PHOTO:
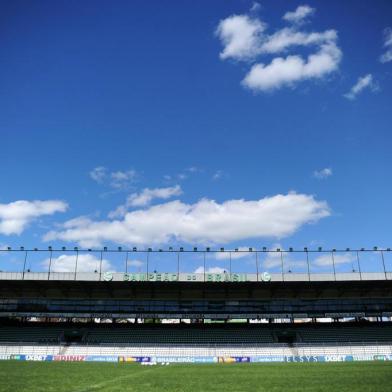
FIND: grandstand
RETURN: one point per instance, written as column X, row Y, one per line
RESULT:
column 186, row 316
column 175, row 341
column 199, row 334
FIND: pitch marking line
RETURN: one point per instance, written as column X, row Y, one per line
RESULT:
column 111, row 381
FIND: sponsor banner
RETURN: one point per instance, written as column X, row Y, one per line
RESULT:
column 101, row 358
column 367, row 357
column 305, row 358
column 69, row 358
column 310, row 358
column 233, row 359
column 205, row 359
column 7, row 357
column 66, row 358
column 35, row 357
column 190, row 359
column 268, row 359
column 372, row 357
column 133, row 359
column 319, row 358
column 339, row 358
column 185, row 359
column 381, row 357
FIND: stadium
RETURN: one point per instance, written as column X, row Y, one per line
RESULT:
column 192, row 193
column 191, row 317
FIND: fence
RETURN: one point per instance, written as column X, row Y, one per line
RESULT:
column 366, row 350
column 196, row 264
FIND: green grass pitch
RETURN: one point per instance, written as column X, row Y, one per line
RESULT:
column 84, row 377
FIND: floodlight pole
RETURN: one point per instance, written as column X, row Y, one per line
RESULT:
column 359, row 267
column 126, row 263
column 383, row 264
column 76, row 263
column 178, row 265
column 333, row 264
column 257, row 268
column 281, row 259
column 24, row 265
column 204, row 266
column 230, row 263
column 147, row 263
column 50, row 263
column 307, row 261
column 100, row 266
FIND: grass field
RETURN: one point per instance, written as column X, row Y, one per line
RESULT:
column 84, row 377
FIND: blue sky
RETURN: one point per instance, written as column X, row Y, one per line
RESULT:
column 222, row 123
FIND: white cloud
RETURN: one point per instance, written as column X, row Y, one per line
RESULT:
column 387, row 56
column 210, row 270
column 277, row 42
column 135, row 263
column 98, row 174
column 122, row 179
column 363, row 83
column 292, row 69
column 240, row 36
column 287, row 37
column 217, row 175
column 194, row 169
column 243, row 251
column 118, row 180
column 144, row 198
column 323, row 173
column 299, row 15
column 255, row 7
column 245, row 38
column 3, row 247
column 274, row 259
column 147, row 195
column 16, row 216
column 326, row 260
column 205, row 222
column 86, row 263
column 183, row 175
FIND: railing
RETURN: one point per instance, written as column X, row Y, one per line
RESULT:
column 196, row 345
column 195, row 264
column 365, row 348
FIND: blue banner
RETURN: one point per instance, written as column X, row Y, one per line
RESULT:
column 35, row 357
column 184, row 359
column 205, row 359
column 133, row 359
column 101, row 358
column 268, row 359
column 200, row 359
column 302, row 358
column 233, row 359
